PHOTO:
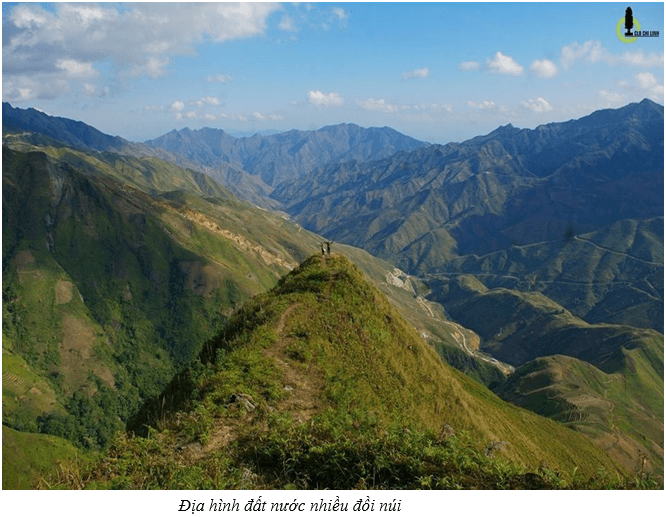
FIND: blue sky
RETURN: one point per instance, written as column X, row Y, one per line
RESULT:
column 439, row 72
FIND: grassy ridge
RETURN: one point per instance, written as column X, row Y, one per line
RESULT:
column 321, row 384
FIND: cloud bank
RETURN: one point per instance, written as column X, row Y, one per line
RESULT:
column 44, row 50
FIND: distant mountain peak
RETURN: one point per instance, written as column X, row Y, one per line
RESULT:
column 501, row 130
column 648, row 102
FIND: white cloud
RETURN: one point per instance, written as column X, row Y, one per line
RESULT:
column 219, row 78
column 467, row 66
column 25, row 18
column 75, row 70
column 639, row 59
column 544, row 68
column 485, row 105
column 377, row 105
column 239, row 117
column 538, row 105
column 210, row 101
column 340, row 13
column 177, row 106
column 423, row 111
column 419, row 73
column 644, row 84
column 433, row 107
column 594, row 52
column 590, row 52
column 272, row 116
column 325, row 100
column 649, row 84
column 91, row 90
column 153, row 67
column 20, row 89
column 136, row 39
column 612, row 99
column 646, row 80
column 336, row 14
column 501, row 64
column 287, row 24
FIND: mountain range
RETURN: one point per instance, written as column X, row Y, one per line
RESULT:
column 532, row 260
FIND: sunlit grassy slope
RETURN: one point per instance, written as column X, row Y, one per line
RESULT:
column 321, row 383
column 35, row 457
column 622, row 411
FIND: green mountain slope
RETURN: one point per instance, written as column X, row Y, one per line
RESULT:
column 603, row 380
column 459, row 346
column 517, row 327
column 612, row 275
column 108, row 291
column 118, row 267
column 621, row 411
column 36, row 456
column 321, row 384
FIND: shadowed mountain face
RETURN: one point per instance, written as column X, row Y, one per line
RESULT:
column 612, row 275
column 108, row 290
column 73, row 133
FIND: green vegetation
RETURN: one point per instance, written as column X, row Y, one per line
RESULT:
column 28, row 458
column 25, row 395
column 108, row 292
column 621, row 411
column 611, row 275
column 321, row 384
column 603, row 380
column 408, row 294
column 322, row 455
